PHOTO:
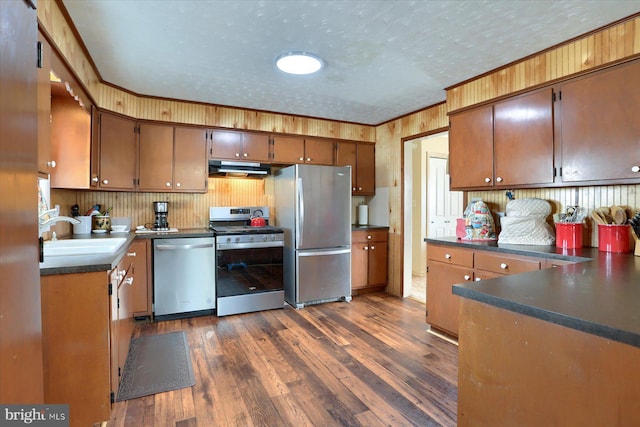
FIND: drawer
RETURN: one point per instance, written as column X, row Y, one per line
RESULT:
column 364, row 236
column 450, row 255
column 505, row 264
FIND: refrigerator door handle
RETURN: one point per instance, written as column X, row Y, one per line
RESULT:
column 300, row 222
column 317, row 253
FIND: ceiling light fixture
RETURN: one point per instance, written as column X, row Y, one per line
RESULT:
column 299, row 63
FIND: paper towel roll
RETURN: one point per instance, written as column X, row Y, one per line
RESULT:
column 363, row 214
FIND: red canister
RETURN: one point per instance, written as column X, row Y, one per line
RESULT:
column 614, row 238
column 569, row 235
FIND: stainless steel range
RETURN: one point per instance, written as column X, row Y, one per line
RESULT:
column 248, row 264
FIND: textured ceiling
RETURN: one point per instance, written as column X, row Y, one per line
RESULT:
column 383, row 59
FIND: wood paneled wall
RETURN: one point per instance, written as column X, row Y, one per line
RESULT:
column 609, row 45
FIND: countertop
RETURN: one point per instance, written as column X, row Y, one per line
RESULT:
column 106, row 262
column 599, row 295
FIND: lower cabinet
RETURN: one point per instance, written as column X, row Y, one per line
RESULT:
column 87, row 324
column 448, row 265
column 140, row 255
column 369, row 260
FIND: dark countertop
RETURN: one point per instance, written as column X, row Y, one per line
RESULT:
column 599, row 295
column 106, row 262
column 357, row 227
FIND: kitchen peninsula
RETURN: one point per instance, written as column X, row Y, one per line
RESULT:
column 558, row 346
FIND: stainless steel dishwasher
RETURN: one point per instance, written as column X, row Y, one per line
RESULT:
column 184, row 276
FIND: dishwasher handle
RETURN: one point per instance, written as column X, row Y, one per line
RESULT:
column 179, row 247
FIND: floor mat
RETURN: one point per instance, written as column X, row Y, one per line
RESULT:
column 156, row 363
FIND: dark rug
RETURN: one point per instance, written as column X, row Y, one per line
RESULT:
column 156, row 363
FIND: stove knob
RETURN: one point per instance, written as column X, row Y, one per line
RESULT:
column 228, row 239
column 265, row 238
column 238, row 239
column 251, row 238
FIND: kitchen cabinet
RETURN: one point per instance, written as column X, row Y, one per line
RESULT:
column 87, row 324
column 118, row 153
column 155, row 157
column 369, row 260
column 361, row 158
column 598, row 126
column 140, row 255
column 448, row 265
column 70, row 141
column 288, row 150
column 190, row 167
column 506, row 144
column 45, row 162
column 236, row 145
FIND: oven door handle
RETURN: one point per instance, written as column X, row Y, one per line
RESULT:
column 317, row 253
column 250, row 245
column 178, row 247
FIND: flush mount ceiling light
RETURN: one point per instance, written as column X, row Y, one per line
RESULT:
column 298, row 63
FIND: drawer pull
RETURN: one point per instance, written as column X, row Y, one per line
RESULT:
column 447, row 256
column 478, row 279
column 467, row 277
column 504, row 266
column 131, row 254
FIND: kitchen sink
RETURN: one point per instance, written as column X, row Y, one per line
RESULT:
column 82, row 246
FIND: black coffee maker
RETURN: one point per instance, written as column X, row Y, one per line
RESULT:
column 162, row 210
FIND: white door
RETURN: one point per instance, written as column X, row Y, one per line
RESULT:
column 443, row 206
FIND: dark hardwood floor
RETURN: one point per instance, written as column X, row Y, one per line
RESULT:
column 369, row 363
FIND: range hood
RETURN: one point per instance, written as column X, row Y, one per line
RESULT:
column 230, row 168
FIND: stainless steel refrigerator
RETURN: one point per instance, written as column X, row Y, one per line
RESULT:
column 313, row 206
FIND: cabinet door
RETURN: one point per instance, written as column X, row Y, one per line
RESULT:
column 377, row 263
column 70, row 142
column 255, row 147
column 190, row 168
column 155, row 157
column 523, row 139
column 118, row 154
column 471, row 148
column 366, row 169
column 346, row 155
column 442, row 305
column 318, row 152
column 599, row 126
column 359, row 265
column 288, row 150
column 44, row 109
column 140, row 294
column 226, row 144
column 125, row 317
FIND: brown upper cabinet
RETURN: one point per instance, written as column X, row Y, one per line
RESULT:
column 506, row 144
column 361, row 158
column 235, row 145
column 298, row 150
column 598, row 126
column 190, row 168
column 118, row 153
column 155, row 158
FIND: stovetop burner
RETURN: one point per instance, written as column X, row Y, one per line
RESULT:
column 235, row 220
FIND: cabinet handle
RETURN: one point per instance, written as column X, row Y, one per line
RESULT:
column 467, row 277
column 368, row 237
column 635, row 169
column 366, row 248
column 478, row 279
column 51, row 164
column 308, row 159
column 499, row 179
column 353, row 189
column 105, row 181
column 237, row 154
column 504, row 266
column 373, row 247
column 447, row 256
column 129, row 281
column 245, row 155
column 95, row 179
column 131, row 254
column 487, row 180
column 178, row 184
column 168, row 184
column 302, row 159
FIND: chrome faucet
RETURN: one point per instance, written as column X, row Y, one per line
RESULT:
column 44, row 223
